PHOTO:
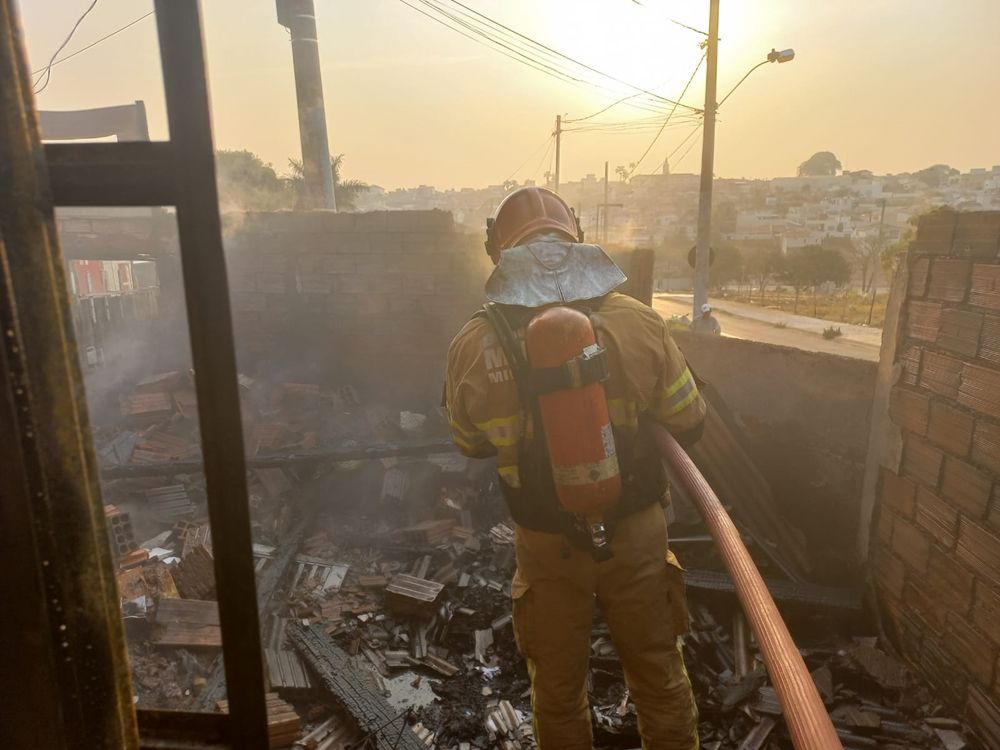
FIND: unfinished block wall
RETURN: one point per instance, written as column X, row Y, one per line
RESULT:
column 936, row 542
column 371, row 299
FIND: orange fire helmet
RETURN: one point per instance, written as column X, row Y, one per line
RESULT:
column 525, row 212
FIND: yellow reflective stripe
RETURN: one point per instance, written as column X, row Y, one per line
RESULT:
column 463, row 443
column 457, row 428
column 510, row 475
column 624, row 413
column 671, row 389
column 679, row 406
column 501, row 431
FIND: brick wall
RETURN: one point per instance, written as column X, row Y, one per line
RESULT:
column 936, row 539
column 371, row 299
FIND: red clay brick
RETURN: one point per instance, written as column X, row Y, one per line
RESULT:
column 986, row 610
column 922, row 461
column 911, row 544
column 986, row 445
column 941, row 373
column 960, row 331
column 936, row 517
column 916, row 285
column 950, row 428
column 898, row 493
column 950, row 581
column 966, row 487
column 890, row 573
column 971, row 649
column 949, row 279
column 909, row 361
column 910, row 409
column 918, row 598
column 980, row 389
column 985, row 715
column 989, row 340
column 993, row 515
column 923, row 320
column 985, row 287
column 883, row 529
column 977, row 234
column 977, row 547
column 938, row 226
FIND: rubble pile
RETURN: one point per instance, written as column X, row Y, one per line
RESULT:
column 384, row 589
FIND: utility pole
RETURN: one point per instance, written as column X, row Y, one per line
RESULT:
column 707, row 163
column 558, row 135
column 876, row 262
column 605, row 237
column 299, row 17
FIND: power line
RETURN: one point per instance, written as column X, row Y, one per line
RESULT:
column 48, row 68
column 547, row 141
column 688, row 149
column 94, row 43
column 632, row 86
column 660, row 132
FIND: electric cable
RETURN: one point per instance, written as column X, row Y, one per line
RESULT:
column 47, row 74
column 531, row 156
column 94, row 43
column 660, row 132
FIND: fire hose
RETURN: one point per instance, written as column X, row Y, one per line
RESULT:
column 807, row 719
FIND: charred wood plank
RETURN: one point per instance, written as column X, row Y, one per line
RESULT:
column 386, row 728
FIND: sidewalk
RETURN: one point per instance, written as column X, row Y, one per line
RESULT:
column 861, row 334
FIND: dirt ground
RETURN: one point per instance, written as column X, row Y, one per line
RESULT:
column 842, row 307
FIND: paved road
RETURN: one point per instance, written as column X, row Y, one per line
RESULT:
column 858, row 342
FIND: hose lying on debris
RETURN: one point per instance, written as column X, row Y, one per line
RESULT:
column 808, row 722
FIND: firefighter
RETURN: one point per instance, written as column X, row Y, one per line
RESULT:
column 617, row 557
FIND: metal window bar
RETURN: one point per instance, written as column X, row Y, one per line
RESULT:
column 179, row 172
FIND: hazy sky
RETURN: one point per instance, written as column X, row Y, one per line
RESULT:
column 888, row 85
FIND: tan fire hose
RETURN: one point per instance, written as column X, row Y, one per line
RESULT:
column 807, row 719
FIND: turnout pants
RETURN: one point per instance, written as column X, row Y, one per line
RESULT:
column 641, row 594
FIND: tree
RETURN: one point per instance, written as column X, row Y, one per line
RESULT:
column 345, row 192
column 622, row 172
column 728, row 266
column 866, row 253
column 761, row 267
column 935, row 175
column 813, row 266
column 247, row 183
column 820, row 164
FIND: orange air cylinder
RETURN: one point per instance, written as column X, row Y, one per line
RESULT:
column 577, row 425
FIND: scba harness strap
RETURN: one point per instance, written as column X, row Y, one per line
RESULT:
column 535, row 504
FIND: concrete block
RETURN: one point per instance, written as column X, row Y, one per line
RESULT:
column 966, row 487
column 315, row 283
column 344, row 243
column 977, row 235
column 911, row 544
column 340, row 263
column 271, row 283
column 936, row 517
column 941, row 373
column 986, row 446
column 910, row 409
column 985, row 286
column 917, row 283
column 950, row 428
column 949, row 280
column 925, row 248
column 335, row 222
column 898, row 493
column 980, row 389
column 973, row 650
column 383, row 243
column 922, row 461
column 960, row 331
column 979, row 548
column 923, row 320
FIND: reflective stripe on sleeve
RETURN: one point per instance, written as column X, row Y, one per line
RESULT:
column 503, row 431
column 678, row 396
column 510, row 475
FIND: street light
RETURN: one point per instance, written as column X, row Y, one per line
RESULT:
column 700, row 295
column 778, row 56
